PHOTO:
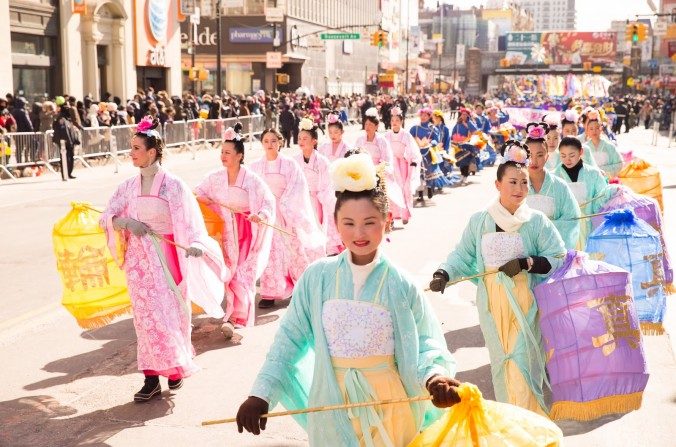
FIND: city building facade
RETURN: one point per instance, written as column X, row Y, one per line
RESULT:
column 551, row 14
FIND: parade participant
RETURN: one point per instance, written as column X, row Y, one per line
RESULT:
column 521, row 246
column 357, row 330
column 602, row 151
column 379, row 148
column 587, row 183
column 148, row 216
column 549, row 194
column 336, row 147
column 407, row 161
column 495, row 120
column 444, row 142
column 480, row 122
column 316, row 171
column 243, row 200
column 463, row 128
column 552, row 139
column 289, row 255
column 569, row 129
column 427, row 137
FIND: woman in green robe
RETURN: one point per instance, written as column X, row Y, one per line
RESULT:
column 357, row 330
column 604, row 153
column 548, row 193
column 519, row 246
column 588, row 184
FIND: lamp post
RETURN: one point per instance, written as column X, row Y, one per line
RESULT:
column 218, row 47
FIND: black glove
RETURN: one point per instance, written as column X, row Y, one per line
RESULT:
column 439, row 281
column 414, row 164
column 511, row 268
column 249, row 415
column 444, row 391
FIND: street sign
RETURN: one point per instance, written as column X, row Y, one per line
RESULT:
column 274, row 15
column 273, row 59
column 660, row 29
column 340, row 36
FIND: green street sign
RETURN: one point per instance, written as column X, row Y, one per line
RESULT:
column 340, row 36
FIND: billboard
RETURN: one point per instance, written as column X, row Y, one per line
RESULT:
column 561, row 48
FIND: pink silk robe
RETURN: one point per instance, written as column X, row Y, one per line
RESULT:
column 322, row 196
column 246, row 245
column 161, row 312
column 289, row 255
column 326, row 149
column 381, row 152
column 405, row 151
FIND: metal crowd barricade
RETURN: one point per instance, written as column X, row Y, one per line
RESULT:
column 22, row 149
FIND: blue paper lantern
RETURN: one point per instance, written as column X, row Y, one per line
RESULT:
column 628, row 242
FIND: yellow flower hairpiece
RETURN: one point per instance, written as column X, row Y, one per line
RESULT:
column 354, row 173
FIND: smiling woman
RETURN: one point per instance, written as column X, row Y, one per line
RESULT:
column 373, row 335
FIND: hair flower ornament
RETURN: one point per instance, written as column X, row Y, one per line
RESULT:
column 570, row 115
column 354, row 173
column 332, row 118
column 396, row 111
column 373, row 112
column 306, row 124
column 231, row 135
column 517, row 153
column 145, row 127
column 593, row 115
column 536, row 131
column 427, row 110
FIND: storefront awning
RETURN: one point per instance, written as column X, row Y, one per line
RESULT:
column 297, row 58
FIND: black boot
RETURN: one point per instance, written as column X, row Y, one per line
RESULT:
column 151, row 388
column 175, row 384
column 266, row 304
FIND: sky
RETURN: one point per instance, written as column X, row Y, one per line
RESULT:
column 592, row 15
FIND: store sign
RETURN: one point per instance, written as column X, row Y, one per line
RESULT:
column 273, row 59
column 260, row 34
column 79, row 7
column 561, row 48
column 154, row 25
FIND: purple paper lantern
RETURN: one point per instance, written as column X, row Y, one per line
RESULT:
column 592, row 339
column 646, row 209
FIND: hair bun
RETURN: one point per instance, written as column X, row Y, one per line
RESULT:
column 238, row 127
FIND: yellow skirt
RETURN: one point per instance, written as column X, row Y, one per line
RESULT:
column 369, row 379
column 518, row 391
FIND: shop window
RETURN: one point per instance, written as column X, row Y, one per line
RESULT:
column 31, row 44
column 31, row 82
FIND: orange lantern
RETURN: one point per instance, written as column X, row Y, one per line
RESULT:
column 643, row 178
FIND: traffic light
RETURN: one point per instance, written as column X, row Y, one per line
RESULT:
column 631, row 32
column 383, row 39
column 283, row 78
column 375, row 39
column 642, row 32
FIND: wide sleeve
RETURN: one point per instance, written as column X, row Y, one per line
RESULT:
column 566, row 220
column 412, row 153
column 281, row 378
column 386, row 154
column 445, row 138
column 547, row 242
column 462, row 261
column 117, row 207
column 601, row 190
column 614, row 165
column 433, row 355
column 203, row 189
column 261, row 199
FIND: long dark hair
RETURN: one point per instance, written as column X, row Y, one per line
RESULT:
column 238, row 142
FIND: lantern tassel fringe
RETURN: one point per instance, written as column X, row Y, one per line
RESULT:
column 103, row 320
column 670, row 289
column 651, row 328
column 587, row 411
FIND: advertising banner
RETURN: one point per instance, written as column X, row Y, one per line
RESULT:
column 156, row 21
column 561, row 48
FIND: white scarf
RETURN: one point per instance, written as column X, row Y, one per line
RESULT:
column 509, row 222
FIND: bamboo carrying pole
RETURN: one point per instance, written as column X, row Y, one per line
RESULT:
column 150, row 232
column 262, row 222
column 478, row 275
column 588, row 216
column 325, row 408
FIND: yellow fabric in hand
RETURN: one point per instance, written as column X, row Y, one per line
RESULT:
column 476, row 422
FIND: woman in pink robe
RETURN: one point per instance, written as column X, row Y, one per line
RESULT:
column 381, row 152
column 243, row 200
column 336, row 147
column 407, row 160
column 289, row 255
column 149, row 214
column 322, row 195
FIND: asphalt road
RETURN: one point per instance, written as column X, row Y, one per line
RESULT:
column 63, row 386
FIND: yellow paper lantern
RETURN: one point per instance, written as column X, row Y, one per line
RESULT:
column 94, row 287
column 643, row 178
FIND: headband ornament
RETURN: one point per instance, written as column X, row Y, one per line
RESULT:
column 231, row 135
column 145, row 127
column 537, row 131
column 354, row 173
column 306, row 124
column 396, row 111
column 372, row 112
column 332, row 118
column 517, row 153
